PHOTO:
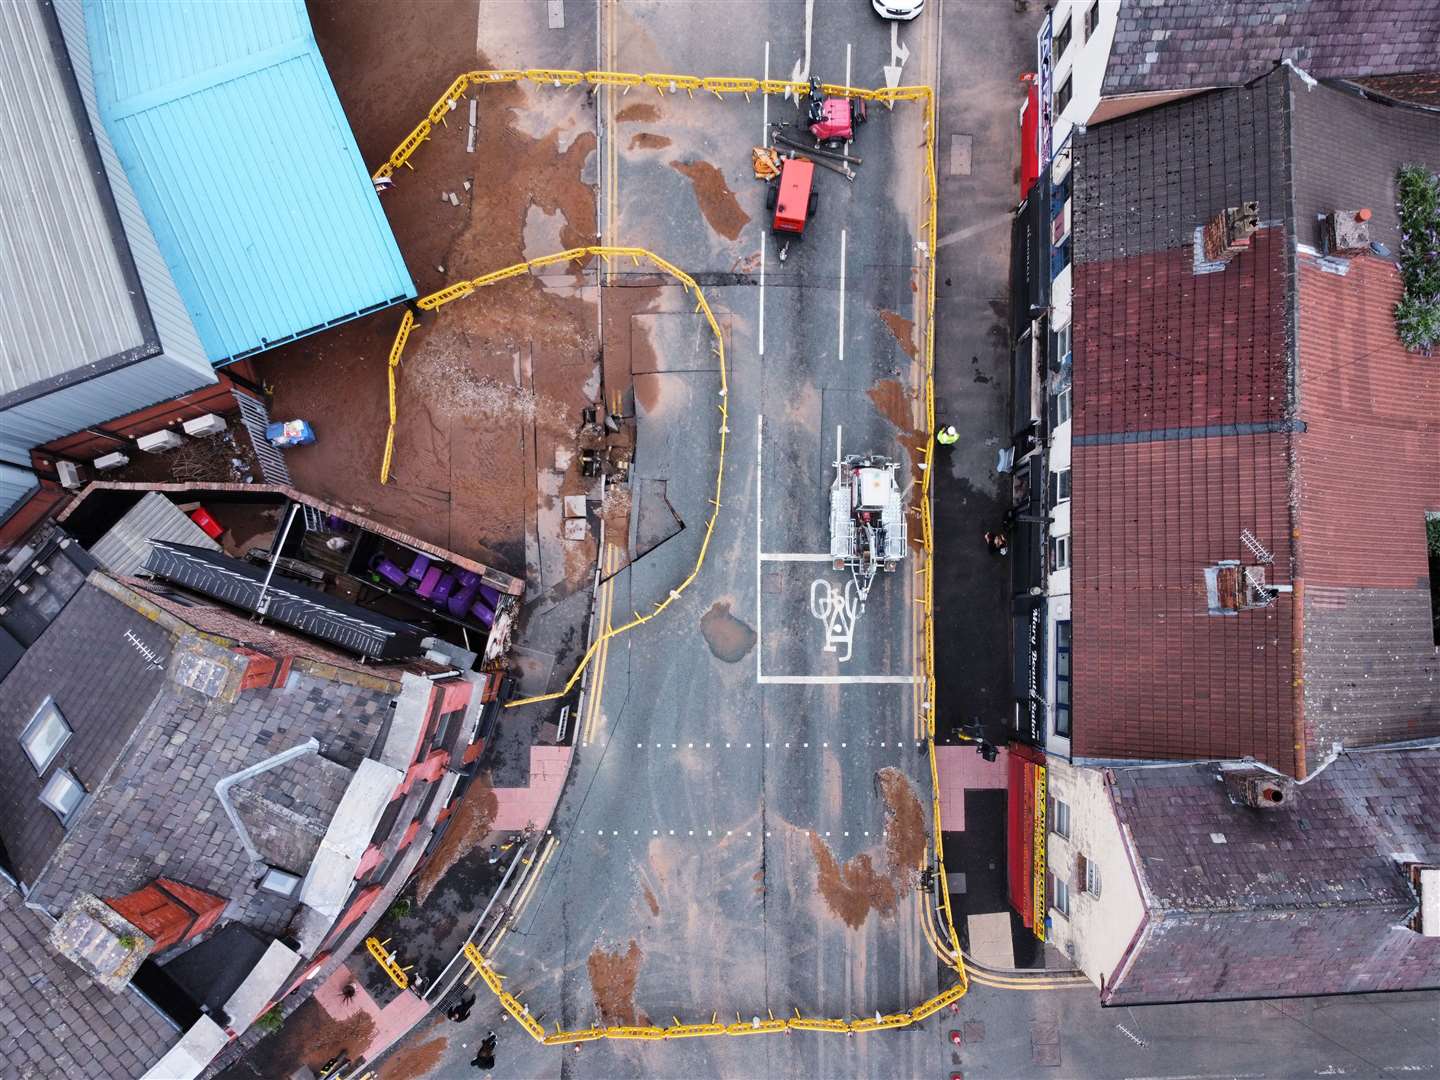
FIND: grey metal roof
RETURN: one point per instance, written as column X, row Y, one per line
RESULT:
column 240, row 585
column 69, row 294
column 122, row 550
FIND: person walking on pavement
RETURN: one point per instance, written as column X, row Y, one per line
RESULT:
column 947, row 436
column 485, row 1056
column 997, row 543
column 460, row 1011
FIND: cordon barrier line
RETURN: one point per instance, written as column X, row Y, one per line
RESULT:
column 769, row 1024
column 947, row 945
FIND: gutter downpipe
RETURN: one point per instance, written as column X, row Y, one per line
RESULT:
column 223, row 786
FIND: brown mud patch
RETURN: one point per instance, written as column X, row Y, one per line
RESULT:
column 647, row 140
column 904, row 331
column 893, row 401
column 413, row 1060
column 639, row 111
column 612, row 977
column 906, row 838
column 650, row 900
column 717, row 201
column 466, row 486
column 615, row 512
column 470, row 827
column 729, row 638
column 854, row 889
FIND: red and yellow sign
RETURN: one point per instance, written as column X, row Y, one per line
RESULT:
column 1026, row 830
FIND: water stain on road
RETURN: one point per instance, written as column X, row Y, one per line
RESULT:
column 717, row 201
column 612, row 977
column 729, row 638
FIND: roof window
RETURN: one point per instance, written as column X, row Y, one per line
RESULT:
column 44, row 735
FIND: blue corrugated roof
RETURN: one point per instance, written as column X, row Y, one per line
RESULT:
column 230, row 130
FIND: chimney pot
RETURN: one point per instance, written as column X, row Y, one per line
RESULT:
column 1258, row 789
column 1363, row 214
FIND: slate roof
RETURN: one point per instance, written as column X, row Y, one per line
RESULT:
column 1307, row 899
column 103, row 664
column 1198, row 418
column 159, row 813
column 54, row 1021
column 1191, row 44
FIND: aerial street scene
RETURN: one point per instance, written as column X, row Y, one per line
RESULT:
column 719, row 538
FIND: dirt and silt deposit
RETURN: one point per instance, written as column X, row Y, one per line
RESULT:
column 492, row 385
column 853, row 889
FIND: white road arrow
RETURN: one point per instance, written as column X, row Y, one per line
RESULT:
column 899, row 53
column 801, row 71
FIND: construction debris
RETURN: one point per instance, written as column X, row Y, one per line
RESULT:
column 766, row 160
column 470, row 134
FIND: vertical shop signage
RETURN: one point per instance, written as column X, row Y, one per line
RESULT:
column 1046, row 119
column 1038, row 853
column 1037, row 660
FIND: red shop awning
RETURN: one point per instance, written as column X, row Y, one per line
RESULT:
column 1025, row 843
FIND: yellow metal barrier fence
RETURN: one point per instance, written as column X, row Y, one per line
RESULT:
column 947, row 950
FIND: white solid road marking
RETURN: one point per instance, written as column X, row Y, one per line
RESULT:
column 838, row 680
column 759, row 518
column 842, row 296
column 764, row 141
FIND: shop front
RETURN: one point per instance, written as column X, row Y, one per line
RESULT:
column 1025, row 842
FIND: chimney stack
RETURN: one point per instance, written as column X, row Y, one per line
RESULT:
column 1229, row 231
column 1258, row 789
column 1347, row 232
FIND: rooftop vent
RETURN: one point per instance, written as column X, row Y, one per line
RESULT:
column 1258, row 789
column 1229, row 231
column 1346, row 232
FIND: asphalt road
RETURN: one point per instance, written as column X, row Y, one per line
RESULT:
column 705, row 802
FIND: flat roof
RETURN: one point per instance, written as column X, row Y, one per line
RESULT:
column 70, row 299
column 239, row 152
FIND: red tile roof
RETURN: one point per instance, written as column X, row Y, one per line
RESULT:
column 1267, row 396
column 1180, row 360
column 1368, row 469
column 1156, row 675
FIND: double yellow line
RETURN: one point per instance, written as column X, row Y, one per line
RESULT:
column 610, row 560
column 513, row 916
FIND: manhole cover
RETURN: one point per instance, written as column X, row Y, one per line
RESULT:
column 960, row 146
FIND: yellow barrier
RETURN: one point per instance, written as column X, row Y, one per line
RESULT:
column 949, row 951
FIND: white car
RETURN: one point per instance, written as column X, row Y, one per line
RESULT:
column 904, row 10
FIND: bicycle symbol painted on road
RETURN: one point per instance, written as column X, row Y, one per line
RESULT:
column 837, row 609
